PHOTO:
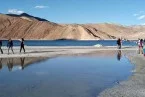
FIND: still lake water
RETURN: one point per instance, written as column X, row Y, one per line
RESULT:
column 64, row 76
column 71, row 43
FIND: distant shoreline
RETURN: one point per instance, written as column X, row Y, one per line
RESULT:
column 69, row 39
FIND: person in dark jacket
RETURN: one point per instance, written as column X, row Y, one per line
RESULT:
column 22, row 45
column 10, row 45
column 119, row 43
column 1, row 47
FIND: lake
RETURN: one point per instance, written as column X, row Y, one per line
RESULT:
column 71, row 43
column 63, row 76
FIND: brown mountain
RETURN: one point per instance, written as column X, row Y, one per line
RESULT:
column 30, row 27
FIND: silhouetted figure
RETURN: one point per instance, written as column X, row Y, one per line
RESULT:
column 119, row 43
column 10, row 45
column 22, row 45
column 1, row 47
column 119, row 55
column 141, row 44
column 10, row 64
column 22, row 62
column 1, row 63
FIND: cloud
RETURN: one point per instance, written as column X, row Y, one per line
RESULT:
column 139, row 13
column 15, row 11
column 141, row 17
column 143, row 24
column 40, row 7
column 135, row 15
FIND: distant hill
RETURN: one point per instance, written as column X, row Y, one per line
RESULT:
column 28, row 16
column 31, row 27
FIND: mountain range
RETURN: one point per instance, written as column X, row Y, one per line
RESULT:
column 31, row 27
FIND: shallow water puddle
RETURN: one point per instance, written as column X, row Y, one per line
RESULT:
column 70, row 76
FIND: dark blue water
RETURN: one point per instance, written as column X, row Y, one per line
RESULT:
column 71, row 76
column 71, row 43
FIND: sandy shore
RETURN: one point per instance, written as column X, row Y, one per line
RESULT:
column 133, row 87
column 46, row 51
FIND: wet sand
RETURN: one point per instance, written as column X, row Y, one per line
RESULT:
column 51, row 51
column 135, row 85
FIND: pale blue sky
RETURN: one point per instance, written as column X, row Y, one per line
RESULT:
column 125, row 12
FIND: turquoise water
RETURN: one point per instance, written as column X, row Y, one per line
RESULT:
column 71, row 43
column 64, row 76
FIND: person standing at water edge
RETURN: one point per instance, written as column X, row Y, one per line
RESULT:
column 10, row 45
column 1, row 46
column 119, row 43
column 22, row 45
column 141, row 46
column 138, row 43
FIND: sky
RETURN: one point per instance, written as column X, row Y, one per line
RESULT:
column 124, row 12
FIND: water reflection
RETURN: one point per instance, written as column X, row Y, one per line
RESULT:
column 119, row 55
column 64, row 76
column 10, row 64
column 1, row 63
column 18, row 62
column 22, row 62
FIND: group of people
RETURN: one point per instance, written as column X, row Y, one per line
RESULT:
column 10, row 46
column 140, row 44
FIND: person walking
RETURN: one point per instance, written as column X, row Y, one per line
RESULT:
column 1, row 47
column 10, row 45
column 22, row 45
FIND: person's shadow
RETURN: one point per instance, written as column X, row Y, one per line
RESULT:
column 119, row 55
column 22, row 62
column 10, row 63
